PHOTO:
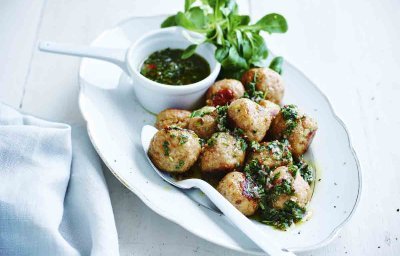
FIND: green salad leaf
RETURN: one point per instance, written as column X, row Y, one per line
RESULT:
column 239, row 45
column 276, row 64
column 189, row 51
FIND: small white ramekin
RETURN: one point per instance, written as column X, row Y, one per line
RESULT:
column 154, row 96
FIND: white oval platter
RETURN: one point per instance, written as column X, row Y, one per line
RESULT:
column 115, row 119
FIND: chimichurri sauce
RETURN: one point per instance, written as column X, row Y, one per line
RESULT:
column 167, row 67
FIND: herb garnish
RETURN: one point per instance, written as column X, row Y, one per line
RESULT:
column 280, row 150
column 267, row 189
column 202, row 112
column 239, row 44
column 202, row 141
column 284, row 188
column 183, row 139
column 257, row 175
column 283, row 218
column 166, row 148
column 211, row 141
column 180, row 164
column 222, row 118
column 256, row 147
column 306, row 170
column 242, row 143
column 290, row 115
column 251, row 91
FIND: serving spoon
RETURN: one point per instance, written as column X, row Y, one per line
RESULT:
column 266, row 242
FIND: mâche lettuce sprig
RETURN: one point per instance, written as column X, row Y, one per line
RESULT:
column 239, row 45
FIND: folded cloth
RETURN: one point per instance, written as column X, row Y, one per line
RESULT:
column 53, row 196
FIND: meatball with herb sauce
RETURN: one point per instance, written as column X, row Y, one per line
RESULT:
column 233, row 188
column 250, row 117
column 222, row 153
column 172, row 117
column 287, row 184
column 296, row 127
column 266, row 80
column 173, row 149
column 203, row 122
column 271, row 154
column 272, row 108
column 224, row 92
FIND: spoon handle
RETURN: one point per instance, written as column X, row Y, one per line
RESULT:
column 115, row 56
column 264, row 241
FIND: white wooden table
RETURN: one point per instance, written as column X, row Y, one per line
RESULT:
column 349, row 48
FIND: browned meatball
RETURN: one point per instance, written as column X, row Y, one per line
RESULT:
column 249, row 116
column 272, row 108
column 224, row 92
column 300, row 190
column 174, row 149
column 295, row 126
column 172, row 117
column 203, row 122
column 232, row 187
column 223, row 153
column 267, row 81
column 272, row 154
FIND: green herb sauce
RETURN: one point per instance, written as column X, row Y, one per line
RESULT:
column 290, row 115
column 259, row 186
column 168, row 67
column 251, row 91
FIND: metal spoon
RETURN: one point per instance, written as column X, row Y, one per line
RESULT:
column 266, row 242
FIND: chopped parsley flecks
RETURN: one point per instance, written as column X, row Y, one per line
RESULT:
column 256, row 147
column 283, row 218
column 280, row 150
column 166, row 148
column 251, row 91
column 283, row 188
column 289, row 112
column 180, row 164
column 183, row 139
column 242, row 143
column 306, row 170
column 222, row 119
column 290, row 115
column 202, row 142
column 293, row 169
column 238, row 132
column 211, row 141
column 267, row 189
column 202, row 112
column 257, row 176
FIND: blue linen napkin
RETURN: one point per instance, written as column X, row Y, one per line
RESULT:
column 53, row 196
